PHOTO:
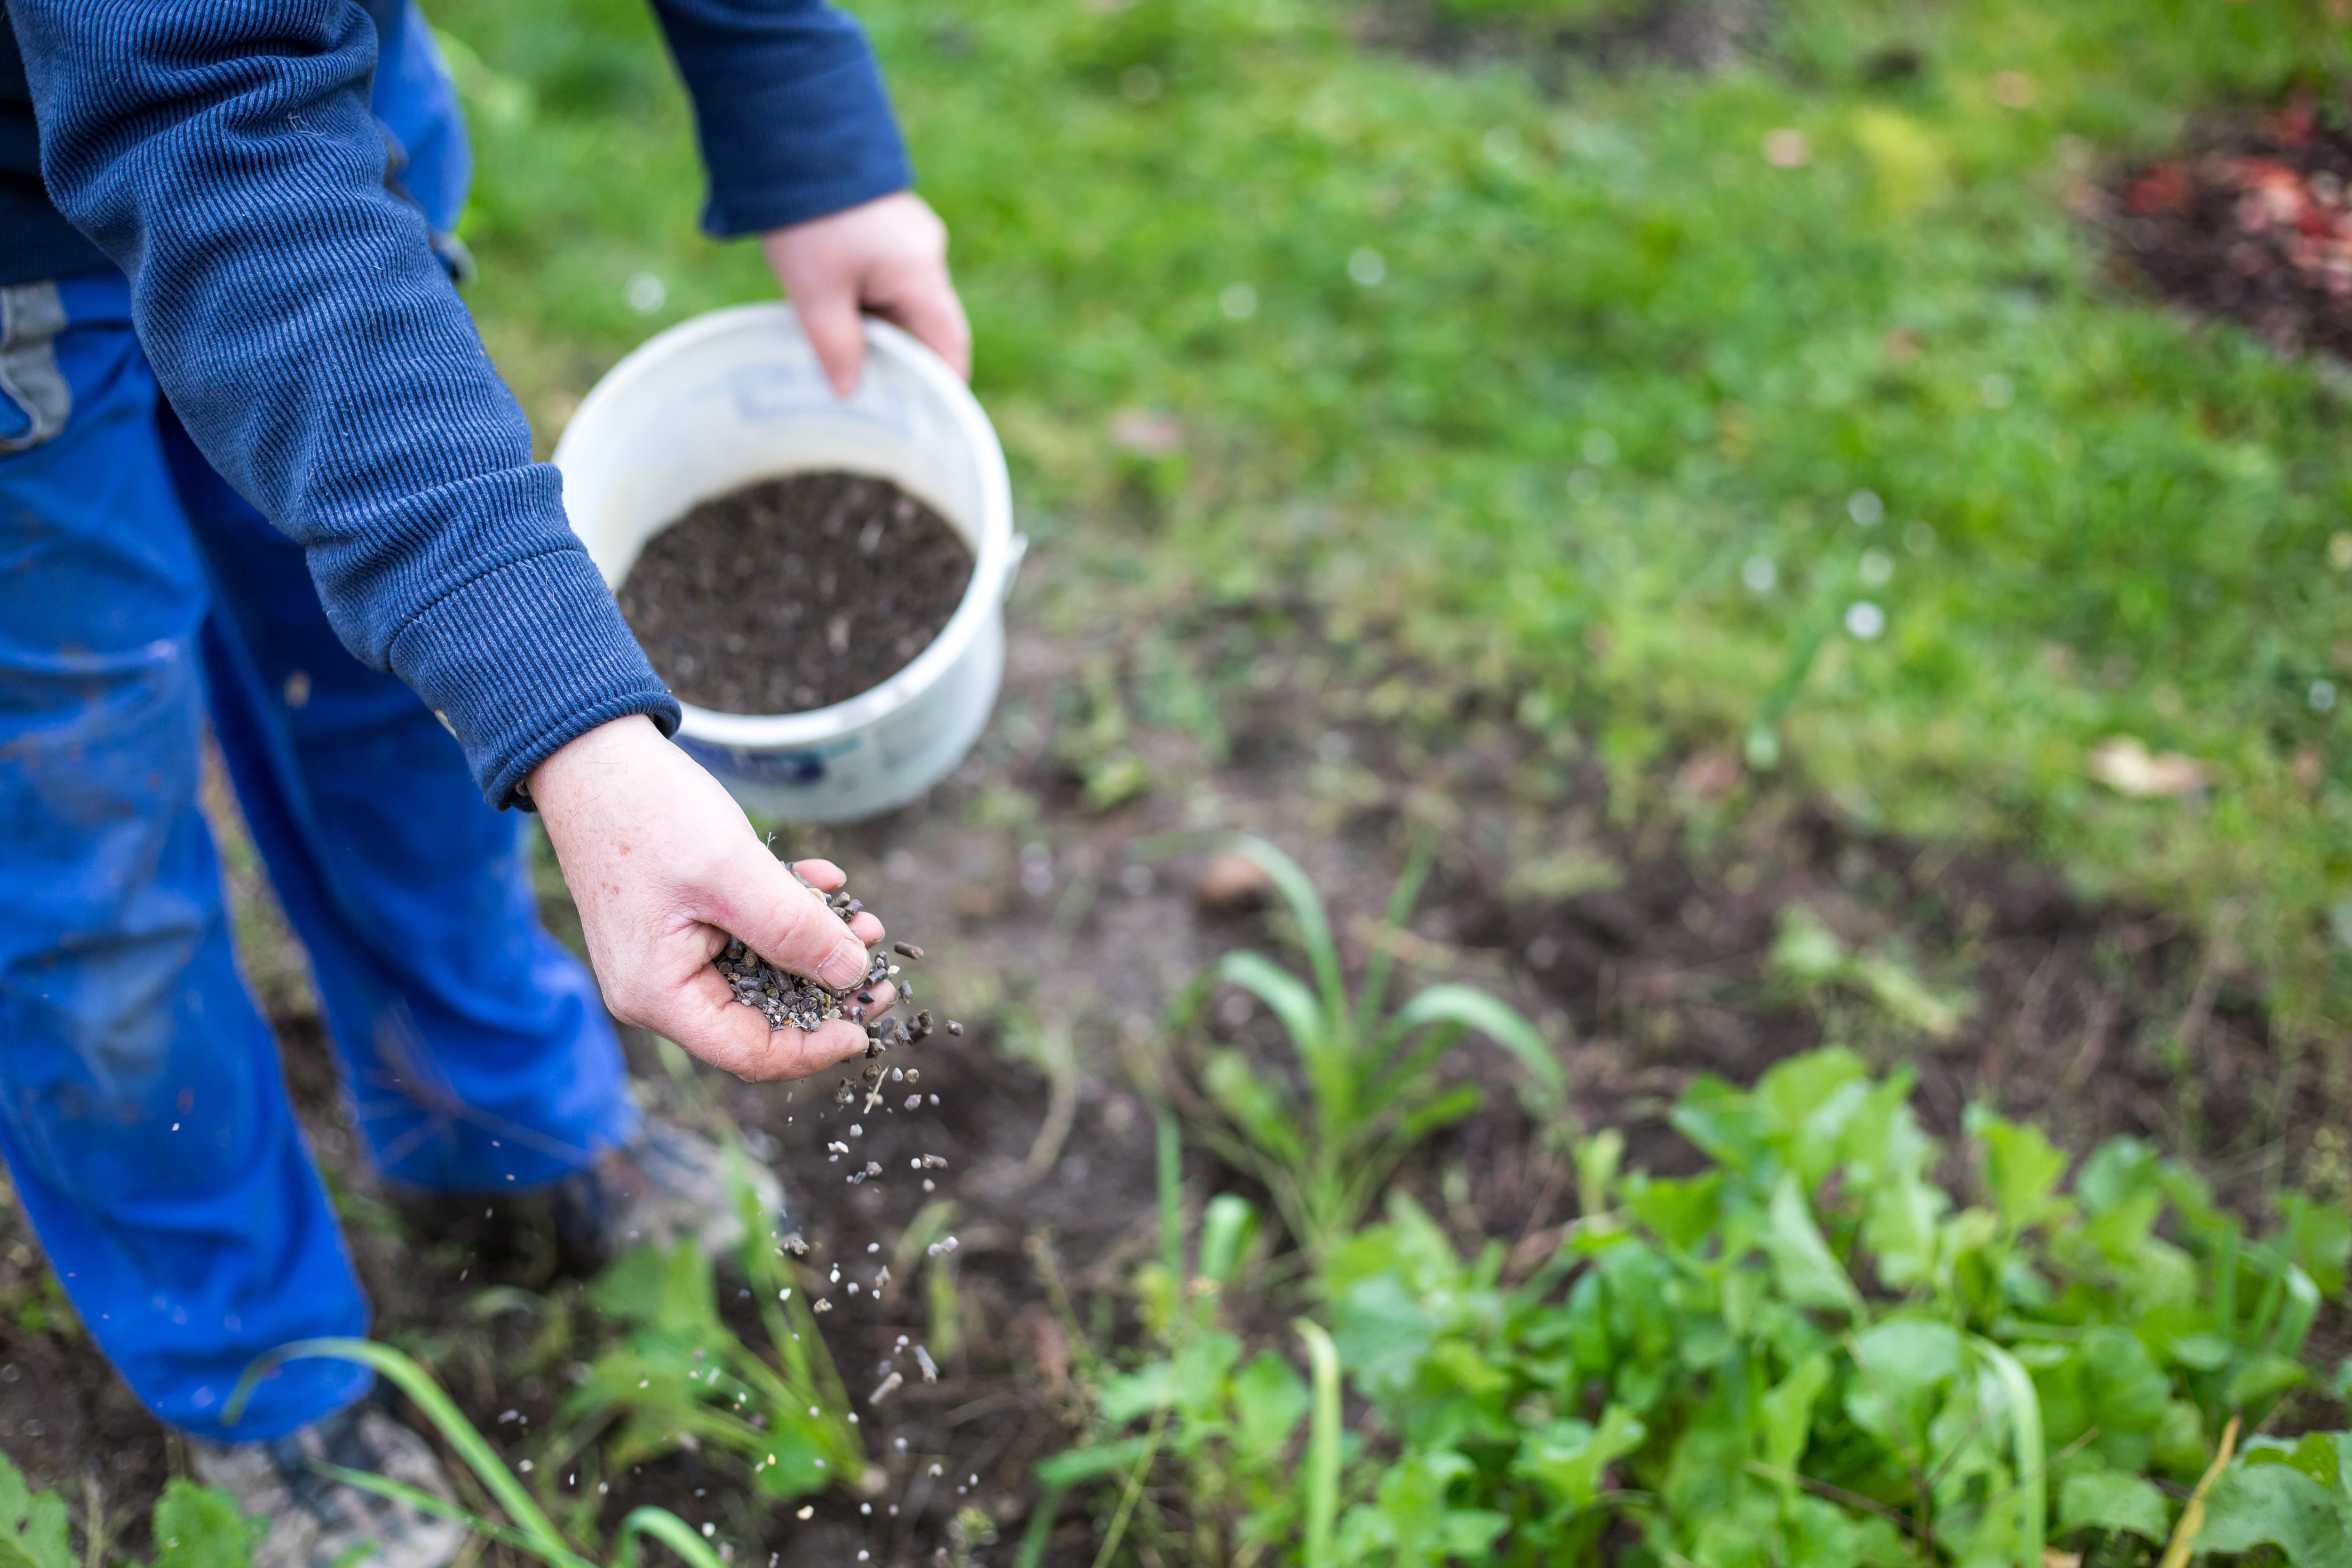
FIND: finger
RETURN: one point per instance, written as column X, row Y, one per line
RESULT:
column 826, row 877
column 789, row 1053
column 933, row 314
column 829, row 317
column 873, row 1002
column 788, row 925
column 822, row 875
column 706, row 1020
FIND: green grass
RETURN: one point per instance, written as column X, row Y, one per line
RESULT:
column 1614, row 355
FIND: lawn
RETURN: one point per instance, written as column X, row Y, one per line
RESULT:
column 1553, row 378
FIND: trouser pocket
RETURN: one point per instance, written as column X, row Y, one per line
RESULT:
column 35, row 399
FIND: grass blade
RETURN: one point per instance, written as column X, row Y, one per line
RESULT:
column 1322, row 1446
column 1314, row 926
column 417, row 1384
column 1372, row 995
column 1172, row 1201
column 660, row 1524
column 1499, row 1023
column 1040, row 1530
column 425, row 1503
column 2032, row 1474
column 1322, row 1054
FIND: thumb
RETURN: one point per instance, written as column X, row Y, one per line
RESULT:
column 788, row 924
column 829, row 318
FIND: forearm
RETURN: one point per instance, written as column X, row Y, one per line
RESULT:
column 789, row 107
column 224, row 156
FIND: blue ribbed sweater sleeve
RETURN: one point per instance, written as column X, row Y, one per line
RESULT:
column 789, row 107
column 221, row 154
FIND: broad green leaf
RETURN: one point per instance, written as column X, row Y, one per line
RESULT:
column 200, row 1527
column 1474, row 1009
column 2261, row 1380
column 1384, row 1334
column 1722, row 1121
column 1815, row 1533
column 2123, row 1387
column 1681, row 1212
column 2111, row 1499
column 2315, row 1454
column 32, row 1525
column 2117, row 1172
column 1566, row 1458
column 1269, row 1397
column 1413, row 1522
column 2021, row 1167
column 1806, row 1101
column 1903, row 1366
column 2254, row 1504
column 1786, row 1415
column 1139, row 1392
column 1201, row 1367
column 1808, row 1273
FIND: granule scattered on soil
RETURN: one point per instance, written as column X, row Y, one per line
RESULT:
column 795, row 593
column 2255, row 224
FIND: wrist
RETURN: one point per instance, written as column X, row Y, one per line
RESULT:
column 569, row 768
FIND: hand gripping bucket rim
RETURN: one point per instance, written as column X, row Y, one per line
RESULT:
column 987, row 524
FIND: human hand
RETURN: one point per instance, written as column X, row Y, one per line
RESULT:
column 888, row 255
column 663, row 866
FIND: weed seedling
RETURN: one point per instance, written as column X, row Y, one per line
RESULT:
column 1366, row 1089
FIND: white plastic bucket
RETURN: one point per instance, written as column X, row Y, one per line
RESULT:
column 736, row 397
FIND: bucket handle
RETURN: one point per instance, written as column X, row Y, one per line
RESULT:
column 1017, row 554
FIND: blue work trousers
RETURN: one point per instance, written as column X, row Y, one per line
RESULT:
column 142, row 1113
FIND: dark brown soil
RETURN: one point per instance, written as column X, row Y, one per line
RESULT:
column 2252, row 222
column 1637, row 931
column 795, row 593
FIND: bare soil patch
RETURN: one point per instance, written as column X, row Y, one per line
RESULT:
column 2250, row 221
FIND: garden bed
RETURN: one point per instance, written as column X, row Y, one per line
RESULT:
column 1654, row 938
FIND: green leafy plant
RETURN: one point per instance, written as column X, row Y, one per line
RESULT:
column 1364, row 1089
column 1809, row 1354
column 527, row 1528
column 1223, row 1424
column 680, row 1375
column 194, row 1526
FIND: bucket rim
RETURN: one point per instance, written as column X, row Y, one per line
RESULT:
column 995, row 559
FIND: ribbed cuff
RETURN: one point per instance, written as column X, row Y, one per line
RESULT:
column 523, row 659
column 784, row 151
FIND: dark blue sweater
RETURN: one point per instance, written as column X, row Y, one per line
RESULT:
column 221, row 153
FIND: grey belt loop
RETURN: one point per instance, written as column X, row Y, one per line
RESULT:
column 31, row 317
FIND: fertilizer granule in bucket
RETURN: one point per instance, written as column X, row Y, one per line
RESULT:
column 795, row 593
